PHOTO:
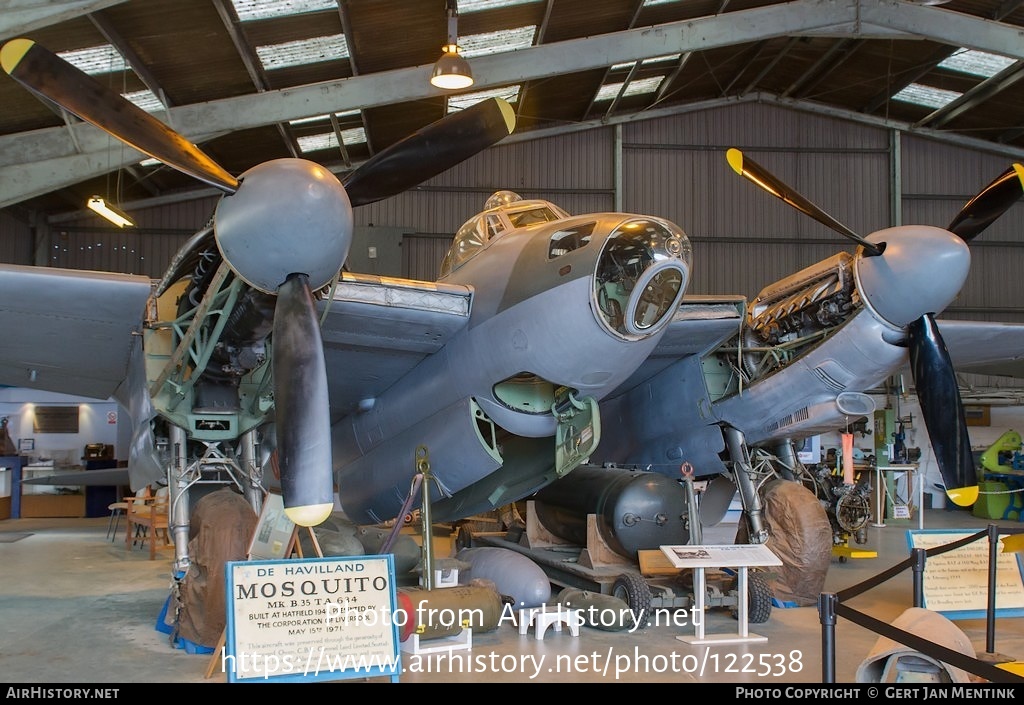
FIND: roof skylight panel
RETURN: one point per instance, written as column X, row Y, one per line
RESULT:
column 461, row 102
column 303, row 51
column 145, row 99
column 468, row 6
column 638, row 87
column 977, row 63
column 95, row 60
column 263, row 9
column 105, row 59
column 926, row 95
column 497, row 42
column 329, row 140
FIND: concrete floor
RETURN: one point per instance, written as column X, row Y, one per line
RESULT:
column 76, row 607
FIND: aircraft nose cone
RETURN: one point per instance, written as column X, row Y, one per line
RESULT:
column 289, row 216
column 921, row 271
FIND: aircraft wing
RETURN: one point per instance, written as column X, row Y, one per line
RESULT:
column 69, row 331
column 378, row 328
column 985, row 347
column 92, row 478
column 700, row 324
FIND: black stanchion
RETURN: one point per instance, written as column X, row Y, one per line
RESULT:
column 920, row 556
column 990, row 613
column 827, row 617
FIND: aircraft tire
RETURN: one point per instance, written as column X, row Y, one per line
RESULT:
column 759, row 599
column 636, row 593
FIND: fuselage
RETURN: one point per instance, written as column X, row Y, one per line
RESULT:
column 564, row 305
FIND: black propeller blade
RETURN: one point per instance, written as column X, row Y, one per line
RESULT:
column 748, row 168
column 939, row 394
column 994, row 200
column 431, row 151
column 302, row 405
column 49, row 76
column 934, row 375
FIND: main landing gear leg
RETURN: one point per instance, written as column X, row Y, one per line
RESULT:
column 744, row 475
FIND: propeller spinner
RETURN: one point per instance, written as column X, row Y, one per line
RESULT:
column 906, row 274
column 285, row 228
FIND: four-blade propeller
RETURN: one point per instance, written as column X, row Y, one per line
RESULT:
column 284, row 227
column 908, row 268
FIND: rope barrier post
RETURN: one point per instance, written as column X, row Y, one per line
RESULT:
column 920, row 555
column 990, row 612
column 827, row 617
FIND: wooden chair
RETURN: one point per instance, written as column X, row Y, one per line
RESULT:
column 147, row 517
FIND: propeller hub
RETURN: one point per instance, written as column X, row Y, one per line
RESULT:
column 921, row 271
column 288, row 216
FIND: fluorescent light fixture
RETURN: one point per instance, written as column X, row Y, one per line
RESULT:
column 653, row 60
column 325, row 117
column 109, row 212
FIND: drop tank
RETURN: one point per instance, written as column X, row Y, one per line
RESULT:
column 636, row 510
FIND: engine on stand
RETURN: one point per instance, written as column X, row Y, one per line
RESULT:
column 848, row 506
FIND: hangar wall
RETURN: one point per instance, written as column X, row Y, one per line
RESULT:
column 672, row 166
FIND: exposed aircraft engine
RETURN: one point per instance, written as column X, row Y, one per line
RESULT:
column 636, row 510
column 819, row 297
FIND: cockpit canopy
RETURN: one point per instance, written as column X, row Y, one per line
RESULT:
column 503, row 211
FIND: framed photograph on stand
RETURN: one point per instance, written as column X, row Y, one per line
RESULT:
column 274, row 536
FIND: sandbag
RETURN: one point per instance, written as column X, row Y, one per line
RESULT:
column 800, row 535
column 220, row 530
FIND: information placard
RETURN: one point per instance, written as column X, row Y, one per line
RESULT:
column 275, row 532
column 956, row 582
column 311, row 619
column 721, row 556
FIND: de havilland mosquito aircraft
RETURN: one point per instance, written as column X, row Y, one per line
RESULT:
column 732, row 385
column 257, row 349
column 549, row 340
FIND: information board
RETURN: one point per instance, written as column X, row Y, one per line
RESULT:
column 721, row 556
column 956, row 582
column 311, row 619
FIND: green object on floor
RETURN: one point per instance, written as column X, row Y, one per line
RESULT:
column 993, row 500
